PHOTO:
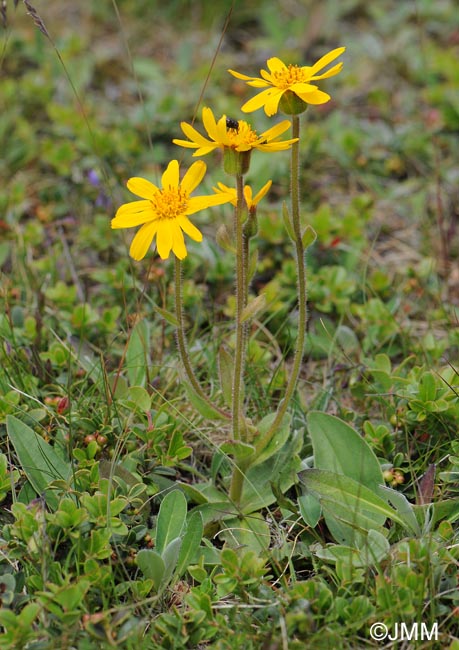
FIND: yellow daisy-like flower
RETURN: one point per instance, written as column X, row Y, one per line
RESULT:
column 231, row 134
column 282, row 81
column 164, row 212
column 252, row 201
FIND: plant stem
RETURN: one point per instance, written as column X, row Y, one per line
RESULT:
column 237, row 483
column 182, row 345
column 241, row 300
column 237, row 477
column 301, row 285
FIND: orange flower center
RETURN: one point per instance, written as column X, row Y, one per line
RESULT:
column 245, row 135
column 170, row 203
column 285, row 78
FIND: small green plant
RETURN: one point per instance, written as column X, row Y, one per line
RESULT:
column 296, row 482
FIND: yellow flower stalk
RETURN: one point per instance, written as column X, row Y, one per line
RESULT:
column 164, row 212
column 231, row 134
column 289, row 87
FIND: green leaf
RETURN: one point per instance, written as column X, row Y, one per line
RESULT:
column 167, row 315
column 277, row 441
column 152, row 566
column 374, row 550
column 336, row 490
column 69, row 597
column 139, row 398
column 402, row 506
column 203, row 407
column 215, row 511
column 253, row 264
column 254, row 306
column 240, row 450
column 226, row 369
column 170, row 556
column 138, row 353
column 445, row 510
column 190, row 543
column 280, row 469
column 171, row 519
column 427, row 387
column 310, row 509
column 308, row 237
column 339, row 448
column 38, row 459
column 288, row 222
column 251, row 532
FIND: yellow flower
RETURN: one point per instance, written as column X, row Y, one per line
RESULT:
column 283, row 80
column 252, row 201
column 164, row 212
column 231, row 134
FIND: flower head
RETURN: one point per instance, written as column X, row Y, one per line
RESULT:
column 224, row 135
column 283, row 83
column 252, row 201
column 164, row 212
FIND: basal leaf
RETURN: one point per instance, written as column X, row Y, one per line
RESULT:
column 40, row 462
column 152, row 565
column 339, row 448
column 190, row 543
column 335, row 489
column 171, row 519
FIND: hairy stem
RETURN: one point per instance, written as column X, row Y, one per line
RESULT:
column 301, row 285
column 237, row 478
column 241, row 301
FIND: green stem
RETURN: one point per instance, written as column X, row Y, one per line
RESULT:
column 182, row 345
column 237, row 483
column 302, row 296
column 237, row 478
column 240, row 303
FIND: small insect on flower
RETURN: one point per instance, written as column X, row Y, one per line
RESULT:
column 232, row 124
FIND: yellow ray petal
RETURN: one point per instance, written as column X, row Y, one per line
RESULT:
column 210, row 124
column 261, row 83
column 239, row 75
column 130, row 221
column 142, row 240
column 193, row 176
column 170, row 178
column 316, row 98
column 203, row 151
column 178, row 241
column 189, row 228
column 133, row 207
column 222, row 132
column 258, row 101
column 193, row 135
column 272, row 102
column 326, row 59
column 264, row 190
column 302, row 87
column 275, row 131
column 196, row 203
column 164, row 238
column 142, row 187
column 330, row 73
column 275, row 65
column 185, row 143
column 248, row 195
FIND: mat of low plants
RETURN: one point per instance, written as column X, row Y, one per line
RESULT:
column 229, row 325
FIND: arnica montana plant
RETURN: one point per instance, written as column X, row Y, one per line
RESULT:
column 164, row 213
